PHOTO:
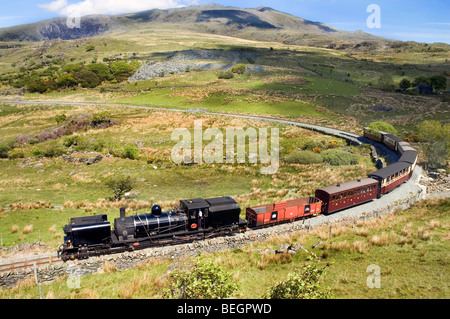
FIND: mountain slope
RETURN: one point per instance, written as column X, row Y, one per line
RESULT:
column 261, row 23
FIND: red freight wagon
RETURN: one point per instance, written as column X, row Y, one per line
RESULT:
column 348, row 194
column 283, row 211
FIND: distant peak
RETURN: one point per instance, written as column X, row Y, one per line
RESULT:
column 262, row 9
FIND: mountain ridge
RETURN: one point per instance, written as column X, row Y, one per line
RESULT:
column 251, row 23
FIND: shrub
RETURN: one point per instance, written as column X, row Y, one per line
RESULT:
column 302, row 284
column 303, row 157
column 131, row 152
column 120, row 184
column 313, row 144
column 122, row 70
column 4, row 149
column 50, row 150
column 66, row 81
column 87, row 78
column 13, row 154
column 71, row 68
column 71, row 140
column 38, row 85
column 204, row 280
column 225, row 75
column 239, row 68
column 60, row 118
column 101, row 70
column 339, row 157
column 102, row 120
column 383, row 126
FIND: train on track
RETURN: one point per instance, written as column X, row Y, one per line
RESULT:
column 199, row 218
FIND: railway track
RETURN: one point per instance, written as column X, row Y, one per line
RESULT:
column 29, row 263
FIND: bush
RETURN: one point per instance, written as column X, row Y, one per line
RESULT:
column 312, row 144
column 102, row 120
column 13, row 154
column 86, row 78
column 4, row 149
column 120, row 185
column 37, row 85
column 384, row 127
column 303, row 157
column 239, row 68
column 339, row 157
column 66, row 81
column 122, row 70
column 71, row 68
column 60, row 118
column 71, row 140
column 101, row 70
column 50, row 150
column 131, row 152
column 225, row 75
column 204, row 280
column 302, row 284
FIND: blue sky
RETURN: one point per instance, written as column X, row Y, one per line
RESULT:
column 423, row 21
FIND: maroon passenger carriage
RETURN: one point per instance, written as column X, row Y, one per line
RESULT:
column 344, row 195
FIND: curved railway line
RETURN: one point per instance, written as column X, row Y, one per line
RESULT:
column 349, row 137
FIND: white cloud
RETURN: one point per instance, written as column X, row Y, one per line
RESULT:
column 86, row 7
column 54, row 5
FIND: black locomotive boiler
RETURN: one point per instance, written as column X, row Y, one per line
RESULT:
column 193, row 219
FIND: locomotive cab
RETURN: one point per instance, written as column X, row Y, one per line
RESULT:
column 213, row 212
column 196, row 211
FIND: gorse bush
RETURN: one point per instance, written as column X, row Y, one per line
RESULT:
column 338, row 157
column 52, row 149
column 131, row 152
column 4, row 150
column 204, row 280
column 225, row 75
column 303, row 157
column 301, row 284
column 239, row 68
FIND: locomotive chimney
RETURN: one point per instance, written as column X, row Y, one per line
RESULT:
column 122, row 212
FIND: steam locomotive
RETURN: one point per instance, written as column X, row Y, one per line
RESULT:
column 199, row 218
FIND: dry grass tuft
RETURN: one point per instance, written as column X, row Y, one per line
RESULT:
column 361, row 246
column 52, row 229
column 27, row 229
column 434, row 224
column 109, row 267
column 14, row 229
column 131, row 289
